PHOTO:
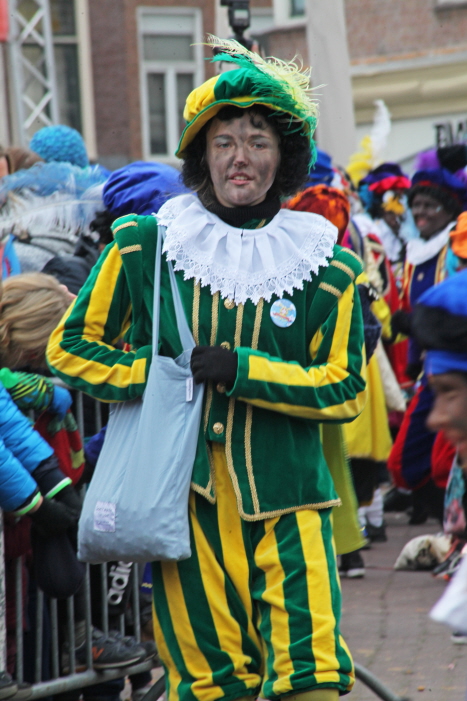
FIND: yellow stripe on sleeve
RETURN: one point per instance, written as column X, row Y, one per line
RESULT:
column 338, row 412
column 94, row 373
column 91, row 371
column 101, row 297
column 334, row 370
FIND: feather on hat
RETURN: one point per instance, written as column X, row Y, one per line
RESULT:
column 281, row 86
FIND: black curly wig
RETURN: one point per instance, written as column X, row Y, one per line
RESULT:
column 450, row 203
column 295, row 151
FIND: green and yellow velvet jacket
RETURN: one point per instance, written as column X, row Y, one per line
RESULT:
column 289, row 380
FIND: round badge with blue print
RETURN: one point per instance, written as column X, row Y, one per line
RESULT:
column 283, row 313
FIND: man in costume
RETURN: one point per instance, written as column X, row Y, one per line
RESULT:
column 271, row 301
column 382, row 193
column 436, row 199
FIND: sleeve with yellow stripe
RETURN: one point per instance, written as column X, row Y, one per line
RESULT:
column 332, row 388
column 82, row 351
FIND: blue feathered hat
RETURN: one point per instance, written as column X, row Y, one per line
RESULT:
column 141, row 188
column 52, row 199
column 60, row 143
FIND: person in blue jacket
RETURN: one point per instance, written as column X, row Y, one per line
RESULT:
column 30, row 480
column 31, row 483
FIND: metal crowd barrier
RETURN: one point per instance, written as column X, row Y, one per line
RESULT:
column 73, row 680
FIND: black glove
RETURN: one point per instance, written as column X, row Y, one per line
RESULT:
column 69, row 497
column 214, row 363
column 52, row 518
column 371, row 325
column 401, row 322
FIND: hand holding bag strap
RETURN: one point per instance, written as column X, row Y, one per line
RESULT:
column 186, row 337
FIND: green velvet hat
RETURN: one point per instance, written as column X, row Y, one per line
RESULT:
column 280, row 86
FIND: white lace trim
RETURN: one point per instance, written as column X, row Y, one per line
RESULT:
column 245, row 263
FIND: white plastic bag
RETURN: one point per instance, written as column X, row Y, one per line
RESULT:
column 423, row 552
column 451, row 609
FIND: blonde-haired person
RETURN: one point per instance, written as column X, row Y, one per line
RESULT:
column 31, row 305
column 30, row 477
column 16, row 158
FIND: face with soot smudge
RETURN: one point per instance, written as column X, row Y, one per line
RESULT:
column 243, row 156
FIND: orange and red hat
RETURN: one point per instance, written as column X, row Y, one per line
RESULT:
column 330, row 202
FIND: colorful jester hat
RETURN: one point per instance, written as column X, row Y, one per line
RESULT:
column 280, row 86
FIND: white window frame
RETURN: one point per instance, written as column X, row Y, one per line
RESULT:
column 88, row 114
column 82, row 40
column 170, row 70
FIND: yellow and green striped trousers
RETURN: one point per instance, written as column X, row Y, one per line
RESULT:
column 255, row 610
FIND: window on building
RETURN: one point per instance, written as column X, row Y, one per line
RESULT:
column 65, row 38
column 170, row 68
column 297, row 8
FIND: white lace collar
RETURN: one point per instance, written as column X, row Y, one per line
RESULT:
column 419, row 250
column 245, row 263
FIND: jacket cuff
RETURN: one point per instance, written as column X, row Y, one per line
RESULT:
column 240, row 388
column 58, row 487
column 28, row 505
column 50, row 478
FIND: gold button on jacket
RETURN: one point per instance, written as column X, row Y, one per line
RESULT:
column 218, row 428
column 229, row 303
column 226, row 345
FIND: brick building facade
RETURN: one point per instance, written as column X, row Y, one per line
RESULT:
column 410, row 53
column 117, row 53
column 125, row 66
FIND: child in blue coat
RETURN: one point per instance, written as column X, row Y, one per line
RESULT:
column 29, row 474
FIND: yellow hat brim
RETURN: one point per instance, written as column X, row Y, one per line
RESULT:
column 203, row 117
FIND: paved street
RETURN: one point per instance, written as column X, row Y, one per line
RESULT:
column 386, row 625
